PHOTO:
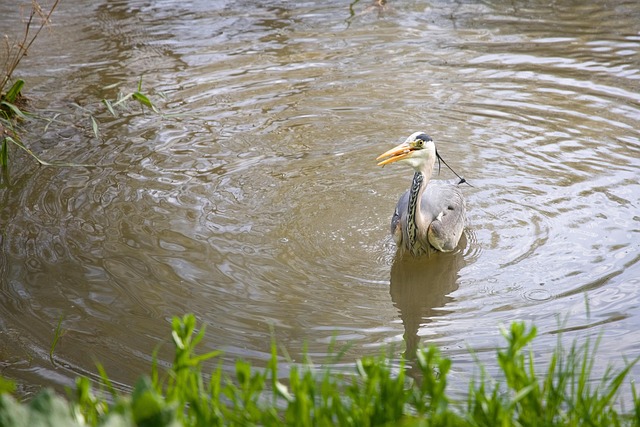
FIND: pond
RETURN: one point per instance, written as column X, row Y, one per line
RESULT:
column 254, row 200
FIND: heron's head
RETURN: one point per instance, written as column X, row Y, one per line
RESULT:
column 415, row 151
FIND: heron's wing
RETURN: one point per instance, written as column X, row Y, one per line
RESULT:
column 399, row 218
column 440, row 197
column 444, row 208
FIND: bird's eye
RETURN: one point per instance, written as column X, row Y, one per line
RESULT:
column 421, row 139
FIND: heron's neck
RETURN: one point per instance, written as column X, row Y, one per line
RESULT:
column 416, row 222
column 414, row 214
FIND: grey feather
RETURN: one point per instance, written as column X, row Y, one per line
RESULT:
column 443, row 208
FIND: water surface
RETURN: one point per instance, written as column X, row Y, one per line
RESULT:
column 254, row 201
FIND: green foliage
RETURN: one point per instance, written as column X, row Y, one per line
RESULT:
column 46, row 409
column 4, row 152
column 12, row 103
column 11, row 114
column 7, row 386
column 429, row 397
column 568, row 395
column 374, row 394
column 138, row 95
column 57, row 334
column 14, row 92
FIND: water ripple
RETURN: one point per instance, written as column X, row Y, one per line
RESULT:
column 256, row 202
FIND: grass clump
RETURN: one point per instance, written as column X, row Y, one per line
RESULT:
column 13, row 105
column 12, row 102
column 566, row 394
column 374, row 394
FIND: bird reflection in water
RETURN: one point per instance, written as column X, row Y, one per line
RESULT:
column 420, row 287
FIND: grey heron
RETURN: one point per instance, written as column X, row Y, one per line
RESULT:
column 431, row 215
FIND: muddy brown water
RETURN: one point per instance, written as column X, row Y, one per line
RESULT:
column 255, row 202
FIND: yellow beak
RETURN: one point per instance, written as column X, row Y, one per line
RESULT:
column 398, row 152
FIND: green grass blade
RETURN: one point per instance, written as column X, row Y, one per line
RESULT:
column 80, row 107
column 58, row 333
column 107, row 104
column 7, row 386
column 14, row 109
column 14, row 91
column 616, row 382
column 39, row 160
column 111, row 86
column 144, row 100
column 4, row 153
column 94, row 126
column 123, row 99
column 50, row 121
column 106, row 382
column 196, row 360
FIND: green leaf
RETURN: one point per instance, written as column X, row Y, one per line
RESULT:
column 206, row 356
column 14, row 91
column 107, row 103
column 111, row 86
column 123, row 99
column 284, row 392
column 94, row 125
column 177, row 340
column 7, row 386
column 149, row 408
column 17, row 111
column 4, row 153
column 146, row 402
column 51, row 120
column 21, row 145
column 12, row 413
column 142, row 98
column 56, row 337
column 38, row 159
column 45, row 410
column 106, row 382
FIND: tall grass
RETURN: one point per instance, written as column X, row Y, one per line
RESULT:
column 374, row 394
